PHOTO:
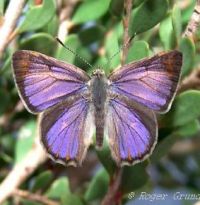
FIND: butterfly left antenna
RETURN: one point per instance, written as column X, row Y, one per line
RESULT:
column 73, row 52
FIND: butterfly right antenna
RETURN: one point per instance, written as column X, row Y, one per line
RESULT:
column 73, row 52
column 123, row 46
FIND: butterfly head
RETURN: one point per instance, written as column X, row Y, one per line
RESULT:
column 98, row 73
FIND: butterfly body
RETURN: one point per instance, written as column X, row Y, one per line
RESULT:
column 73, row 104
column 99, row 87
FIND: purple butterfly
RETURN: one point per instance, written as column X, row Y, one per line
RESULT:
column 74, row 104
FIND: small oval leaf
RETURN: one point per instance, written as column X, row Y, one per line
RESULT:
column 147, row 15
column 187, row 47
column 184, row 109
column 90, row 10
column 38, row 16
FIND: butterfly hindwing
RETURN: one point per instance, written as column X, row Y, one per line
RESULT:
column 44, row 81
column 132, row 130
column 151, row 82
column 66, row 130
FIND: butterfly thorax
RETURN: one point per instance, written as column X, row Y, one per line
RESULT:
column 99, row 84
column 98, row 89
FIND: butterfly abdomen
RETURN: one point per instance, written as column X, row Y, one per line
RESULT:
column 99, row 122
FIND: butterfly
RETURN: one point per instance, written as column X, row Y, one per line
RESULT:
column 74, row 104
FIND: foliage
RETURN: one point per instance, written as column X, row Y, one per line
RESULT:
column 96, row 33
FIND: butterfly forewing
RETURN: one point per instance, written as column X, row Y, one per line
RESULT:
column 66, row 130
column 132, row 130
column 151, row 82
column 44, row 81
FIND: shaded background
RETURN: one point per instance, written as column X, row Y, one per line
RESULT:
column 94, row 29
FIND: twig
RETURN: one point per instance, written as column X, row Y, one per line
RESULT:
column 34, row 197
column 64, row 17
column 192, row 81
column 113, row 189
column 11, row 16
column 22, row 170
column 194, row 21
column 128, row 8
column 197, row 203
column 185, row 147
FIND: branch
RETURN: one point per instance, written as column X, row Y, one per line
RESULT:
column 34, row 197
column 22, row 170
column 197, row 203
column 64, row 17
column 185, row 147
column 128, row 8
column 192, row 81
column 10, row 19
column 110, row 197
column 194, row 21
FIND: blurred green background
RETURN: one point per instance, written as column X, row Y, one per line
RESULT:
column 94, row 30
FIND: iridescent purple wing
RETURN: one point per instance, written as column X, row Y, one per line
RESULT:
column 152, row 82
column 44, row 81
column 132, row 131
column 66, row 130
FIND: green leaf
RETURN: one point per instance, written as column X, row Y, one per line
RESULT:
column 116, row 7
column 187, row 11
column 7, row 141
column 38, row 16
column 69, row 199
column 104, row 156
column 25, row 140
column 5, row 102
column 190, row 129
column 137, row 2
column 6, row 158
column 176, row 22
column 138, row 50
column 41, row 42
column 187, row 47
column 163, row 147
column 166, row 33
column 2, row 3
column 6, row 203
column 91, row 35
column 184, row 109
column 42, row 181
column 147, row 15
column 90, row 10
column 134, row 177
column 112, row 49
column 98, row 186
column 59, row 188
column 27, row 202
column 52, row 26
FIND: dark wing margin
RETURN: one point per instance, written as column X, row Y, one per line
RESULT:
column 152, row 82
column 66, row 130
column 43, row 81
column 132, row 131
